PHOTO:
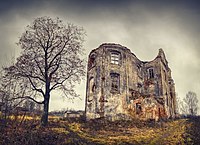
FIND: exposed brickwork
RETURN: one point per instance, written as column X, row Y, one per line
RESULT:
column 120, row 86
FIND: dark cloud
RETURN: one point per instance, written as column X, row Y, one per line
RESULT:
column 9, row 5
column 143, row 26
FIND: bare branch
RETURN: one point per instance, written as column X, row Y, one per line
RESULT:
column 27, row 97
column 50, row 59
column 35, row 88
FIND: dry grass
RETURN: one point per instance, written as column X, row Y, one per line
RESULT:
column 101, row 132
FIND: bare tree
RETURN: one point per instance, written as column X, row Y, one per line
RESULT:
column 191, row 103
column 8, row 90
column 50, row 59
column 178, row 102
column 183, row 108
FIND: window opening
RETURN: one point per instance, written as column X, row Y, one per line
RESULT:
column 115, row 57
column 91, row 62
column 115, row 80
column 92, row 85
column 151, row 73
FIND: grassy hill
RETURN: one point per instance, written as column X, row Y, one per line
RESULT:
column 181, row 131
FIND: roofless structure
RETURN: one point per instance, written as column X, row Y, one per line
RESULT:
column 120, row 86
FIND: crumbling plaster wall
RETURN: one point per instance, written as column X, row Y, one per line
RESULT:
column 135, row 86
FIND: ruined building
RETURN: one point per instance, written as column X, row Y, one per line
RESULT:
column 120, row 86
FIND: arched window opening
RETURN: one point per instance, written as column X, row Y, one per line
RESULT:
column 115, row 57
column 91, row 85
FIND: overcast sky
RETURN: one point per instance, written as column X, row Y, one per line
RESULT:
column 142, row 26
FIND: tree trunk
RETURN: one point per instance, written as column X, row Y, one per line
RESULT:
column 44, row 119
